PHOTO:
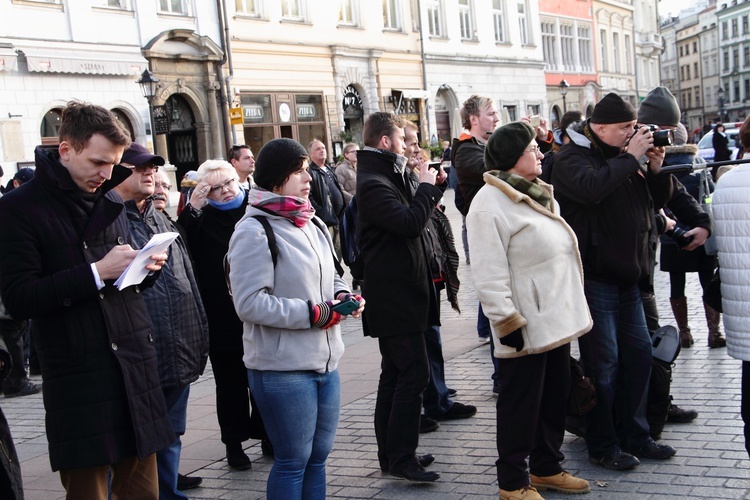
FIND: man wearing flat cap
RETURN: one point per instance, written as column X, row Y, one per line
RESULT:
column 175, row 307
column 608, row 198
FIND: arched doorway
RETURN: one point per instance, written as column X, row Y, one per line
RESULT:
column 123, row 118
column 353, row 113
column 554, row 117
column 50, row 127
column 182, row 141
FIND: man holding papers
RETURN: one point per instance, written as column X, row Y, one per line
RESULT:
column 65, row 241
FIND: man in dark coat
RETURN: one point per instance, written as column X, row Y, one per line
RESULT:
column 175, row 306
column 325, row 193
column 401, row 300
column 64, row 243
column 608, row 199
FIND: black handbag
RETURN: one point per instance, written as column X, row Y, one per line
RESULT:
column 712, row 293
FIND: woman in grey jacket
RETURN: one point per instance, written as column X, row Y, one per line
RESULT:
column 529, row 277
column 291, row 337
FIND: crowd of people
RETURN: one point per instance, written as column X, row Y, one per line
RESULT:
column 560, row 228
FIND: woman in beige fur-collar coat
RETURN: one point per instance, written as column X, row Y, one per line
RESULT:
column 529, row 277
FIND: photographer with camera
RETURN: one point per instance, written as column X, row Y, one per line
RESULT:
column 608, row 197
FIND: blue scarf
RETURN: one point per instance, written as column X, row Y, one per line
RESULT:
column 231, row 204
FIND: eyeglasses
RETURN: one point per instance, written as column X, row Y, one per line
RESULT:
column 163, row 185
column 533, row 150
column 142, row 168
column 221, row 187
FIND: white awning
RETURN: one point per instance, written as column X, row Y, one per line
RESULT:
column 85, row 63
column 8, row 59
column 410, row 93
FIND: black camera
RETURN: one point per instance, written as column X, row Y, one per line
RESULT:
column 677, row 233
column 661, row 137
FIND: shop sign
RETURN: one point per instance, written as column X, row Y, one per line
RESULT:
column 253, row 112
column 235, row 116
column 305, row 111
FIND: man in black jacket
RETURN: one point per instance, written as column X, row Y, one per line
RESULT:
column 64, row 244
column 325, row 193
column 175, row 307
column 609, row 199
column 401, row 300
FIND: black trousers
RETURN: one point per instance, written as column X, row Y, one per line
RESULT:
column 531, row 409
column 233, row 399
column 403, row 377
column 13, row 334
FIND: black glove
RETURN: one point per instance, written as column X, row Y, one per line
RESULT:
column 513, row 339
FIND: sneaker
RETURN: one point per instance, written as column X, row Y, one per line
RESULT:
column 28, row 389
column 457, row 412
column 185, row 483
column 677, row 415
column 563, row 482
column 525, row 493
column 616, row 460
column 652, row 449
column 484, row 340
column 427, row 424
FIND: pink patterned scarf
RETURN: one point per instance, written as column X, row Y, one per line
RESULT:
column 297, row 210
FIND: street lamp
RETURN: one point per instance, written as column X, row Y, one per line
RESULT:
column 563, row 92
column 148, row 83
column 720, row 94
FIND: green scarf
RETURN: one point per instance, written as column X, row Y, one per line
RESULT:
column 532, row 189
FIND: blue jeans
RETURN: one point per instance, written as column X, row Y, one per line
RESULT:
column 435, row 399
column 168, row 459
column 301, row 413
column 616, row 354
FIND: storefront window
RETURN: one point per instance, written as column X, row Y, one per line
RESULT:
column 50, row 127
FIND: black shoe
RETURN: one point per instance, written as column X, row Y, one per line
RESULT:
column 266, row 448
column 677, row 415
column 452, row 393
column 427, row 424
column 457, row 412
column 616, row 460
column 28, row 389
column 236, row 457
column 495, row 388
column 424, row 461
column 185, row 483
column 654, row 450
column 415, row 472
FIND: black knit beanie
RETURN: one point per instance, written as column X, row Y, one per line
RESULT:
column 276, row 161
column 506, row 145
column 659, row 108
column 613, row 109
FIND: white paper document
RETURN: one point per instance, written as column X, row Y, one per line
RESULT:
column 136, row 271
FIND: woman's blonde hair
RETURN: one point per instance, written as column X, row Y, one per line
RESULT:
column 210, row 167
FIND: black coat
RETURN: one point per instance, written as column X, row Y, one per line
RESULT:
column 397, row 279
column 11, row 483
column 720, row 142
column 96, row 347
column 208, row 239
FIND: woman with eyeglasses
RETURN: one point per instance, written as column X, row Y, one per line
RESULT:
column 528, row 276
column 289, row 303
column 346, row 171
column 216, row 204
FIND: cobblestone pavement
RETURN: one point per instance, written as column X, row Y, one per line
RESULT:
column 711, row 461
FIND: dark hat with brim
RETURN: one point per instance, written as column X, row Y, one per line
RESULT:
column 139, row 155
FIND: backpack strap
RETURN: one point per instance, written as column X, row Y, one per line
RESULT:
column 273, row 247
column 324, row 228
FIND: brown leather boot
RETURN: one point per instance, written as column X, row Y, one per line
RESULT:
column 679, row 309
column 713, row 317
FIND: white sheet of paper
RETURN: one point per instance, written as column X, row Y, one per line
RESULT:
column 136, row 271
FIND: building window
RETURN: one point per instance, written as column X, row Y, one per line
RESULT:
column 680, row 50
column 734, row 27
column 511, row 110
column 726, row 61
column 735, row 58
column 391, row 15
column 567, row 44
column 605, row 54
column 616, row 50
column 682, row 73
column 251, row 8
column 51, row 126
column 174, row 7
column 293, row 10
column 115, row 4
column 687, row 72
column 348, row 15
column 697, row 92
column 628, row 67
column 736, row 95
column 695, row 70
column 747, row 88
column 465, row 18
column 549, row 45
column 724, row 30
column 746, row 55
column 744, row 25
column 523, row 22
column 584, row 48
column 435, row 17
column 499, row 20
